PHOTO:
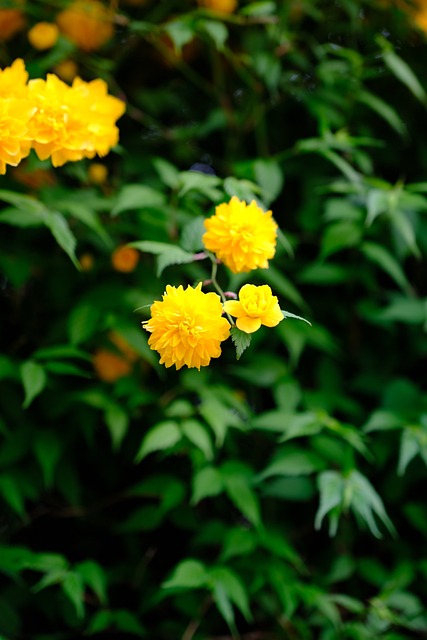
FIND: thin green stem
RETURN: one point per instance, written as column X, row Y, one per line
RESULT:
column 217, row 287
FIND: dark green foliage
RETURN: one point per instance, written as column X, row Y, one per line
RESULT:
column 276, row 496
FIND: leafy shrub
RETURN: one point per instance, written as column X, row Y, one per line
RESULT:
column 274, row 496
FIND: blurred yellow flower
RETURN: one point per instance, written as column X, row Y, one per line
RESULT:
column 242, row 236
column 11, row 21
column 87, row 23
column 187, row 327
column 87, row 261
column 117, row 362
column 15, row 141
column 220, row 6
column 43, row 35
column 97, row 173
column 67, row 70
column 125, row 259
column 110, row 366
column 71, row 123
column 256, row 306
column 13, row 80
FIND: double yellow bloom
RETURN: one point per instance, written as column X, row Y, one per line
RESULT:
column 58, row 121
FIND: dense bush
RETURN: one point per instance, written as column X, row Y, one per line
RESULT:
column 278, row 495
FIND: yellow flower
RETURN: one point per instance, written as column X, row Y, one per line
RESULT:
column 71, row 123
column 66, row 70
column 97, row 173
column 87, row 23
column 11, row 21
column 125, row 259
column 187, row 327
column 256, row 306
column 15, row 142
column 13, row 80
column 43, row 35
column 99, row 111
column 220, row 6
column 242, row 236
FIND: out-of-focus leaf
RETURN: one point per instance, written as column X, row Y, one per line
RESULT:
column 269, row 176
column 206, row 483
column 331, row 488
column 137, row 196
column 73, row 587
column 402, row 71
column 47, row 448
column 237, row 486
column 163, row 435
column 117, row 422
column 384, row 110
column 233, row 587
column 196, row 432
column 33, row 379
column 188, row 574
column 216, row 30
column 380, row 256
column 82, row 323
column 94, row 577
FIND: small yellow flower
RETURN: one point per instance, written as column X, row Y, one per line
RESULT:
column 87, row 23
column 97, row 173
column 256, row 306
column 125, row 259
column 67, row 70
column 11, row 21
column 187, row 327
column 43, row 35
column 242, row 236
column 220, row 6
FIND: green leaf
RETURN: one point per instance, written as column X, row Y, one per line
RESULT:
column 241, row 340
column 168, row 173
column 339, row 236
column 217, row 31
column 381, row 257
column 237, row 486
column 163, row 435
column 207, row 482
column 269, row 176
column 201, row 182
column 242, row 189
column 83, row 322
column 33, row 379
column 331, row 488
column 62, row 233
column 288, row 314
column 402, row 71
column 94, row 577
column 73, row 587
column 47, row 448
column 224, row 606
column 174, row 255
column 365, row 502
column 12, row 493
column 188, row 574
column 384, row 110
column 281, row 284
column 413, row 442
column 137, row 196
column 192, row 232
column 27, row 204
column 233, row 587
column 117, row 421
column 198, row 435
column 291, row 462
column 179, row 32
column 18, row 218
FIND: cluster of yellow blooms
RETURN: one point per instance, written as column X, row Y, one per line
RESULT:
column 58, row 121
column 188, row 326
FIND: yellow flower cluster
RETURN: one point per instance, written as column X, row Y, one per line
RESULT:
column 58, row 121
column 187, row 326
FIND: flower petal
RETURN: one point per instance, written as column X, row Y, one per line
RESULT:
column 234, row 308
column 248, row 325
